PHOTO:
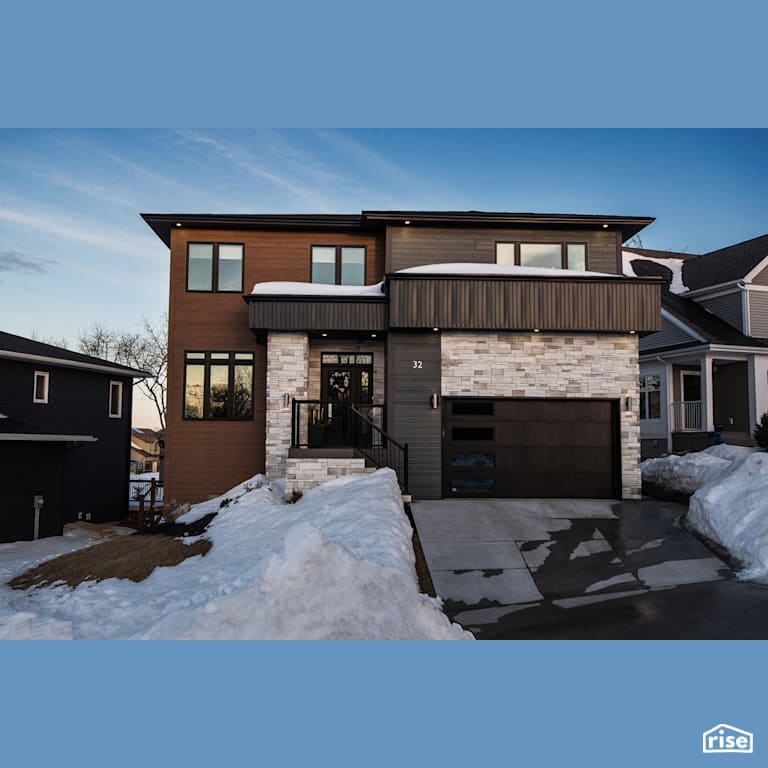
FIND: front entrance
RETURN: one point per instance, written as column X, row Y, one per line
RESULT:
column 346, row 379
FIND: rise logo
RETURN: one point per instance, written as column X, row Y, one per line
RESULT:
column 726, row 738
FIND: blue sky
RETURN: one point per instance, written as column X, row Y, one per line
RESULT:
column 73, row 249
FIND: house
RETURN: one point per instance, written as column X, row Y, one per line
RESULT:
column 706, row 370
column 146, row 450
column 64, row 436
column 478, row 354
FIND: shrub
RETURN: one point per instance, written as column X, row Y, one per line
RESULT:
column 761, row 432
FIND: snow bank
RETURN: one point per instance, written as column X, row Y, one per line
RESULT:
column 733, row 511
column 686, row 474
column 337, row 564
column 511, row 270
column 278, row 288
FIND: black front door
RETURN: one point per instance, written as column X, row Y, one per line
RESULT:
column 347, row 379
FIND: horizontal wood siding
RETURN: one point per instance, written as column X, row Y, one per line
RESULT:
column 727, row 307
column 417, row 246
column 758, row 314
column 410, row 416
column 318, row 315
column 668, row 336
column 495, row 304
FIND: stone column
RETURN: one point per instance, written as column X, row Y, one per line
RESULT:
column 287, row 373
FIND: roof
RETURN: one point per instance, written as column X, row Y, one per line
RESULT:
column 19, row 348
column 163, row 223
column 660, row 254
column 726, row 264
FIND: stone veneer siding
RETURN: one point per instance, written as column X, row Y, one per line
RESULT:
column 302, row 474
column 548, row 365
column 287, row 371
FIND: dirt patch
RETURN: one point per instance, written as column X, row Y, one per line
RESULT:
column 125, row 557
column 422, row 572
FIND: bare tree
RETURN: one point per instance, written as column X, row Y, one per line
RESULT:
column 146, row 350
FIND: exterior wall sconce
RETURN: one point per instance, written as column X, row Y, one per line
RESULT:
column 434, row 400
column 286, row 399
column 628, row 404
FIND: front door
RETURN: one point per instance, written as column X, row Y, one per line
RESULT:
column 347, row 379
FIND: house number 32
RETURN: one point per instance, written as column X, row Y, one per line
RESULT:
column 418, row 364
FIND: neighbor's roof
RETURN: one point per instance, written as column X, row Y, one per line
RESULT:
column 163, row 223
column 726, row 264
column 27, row 350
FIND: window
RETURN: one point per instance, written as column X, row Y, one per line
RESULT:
column 40, row 389
column 215, row 267
column 115, row 399
column 543, row 255
column 338, row 264
column 650, row 397
column 218, row 385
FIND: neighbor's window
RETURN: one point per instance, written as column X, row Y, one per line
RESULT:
column 40, row 389
column 338, row 264
column 115, row 399
column 215, row 267
column 543, row 255
column 218, row 385
column 650, row 397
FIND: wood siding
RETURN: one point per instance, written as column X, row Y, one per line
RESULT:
column 410, row 416
column 417, row 246
column 317, row 314
column 205, row 458
column 669, row 336
column 758, row 314
column 525, row 304
column 78, row 403
column 728, row 307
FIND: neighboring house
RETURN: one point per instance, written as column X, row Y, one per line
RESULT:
column 500, row 347
column 146, row 450
column 64, row 435
column 707, row 369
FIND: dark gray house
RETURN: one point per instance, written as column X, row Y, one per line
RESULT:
column 65, row 421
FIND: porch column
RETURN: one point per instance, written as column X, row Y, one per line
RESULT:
column 757, row 378
column 669, row 392
column 287, row 374
column 707, row 407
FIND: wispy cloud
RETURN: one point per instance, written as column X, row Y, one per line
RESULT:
column 15, row 261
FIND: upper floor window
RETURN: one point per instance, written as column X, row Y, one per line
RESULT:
column 218, row 385
column 546, row 255
column 650, row 397
column 215, row 267
column 40, row 388
column 115, row 399
column 338, row 264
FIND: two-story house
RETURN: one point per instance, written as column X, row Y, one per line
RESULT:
column 146, row 450
column 706, row 370
column 500, row 348
column 65, row 421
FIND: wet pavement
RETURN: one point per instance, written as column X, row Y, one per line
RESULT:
column 572, row 569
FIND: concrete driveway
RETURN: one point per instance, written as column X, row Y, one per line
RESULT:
column 509, row 568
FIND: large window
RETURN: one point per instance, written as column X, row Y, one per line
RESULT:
column 218, row 385
column 545, row 255
column 215, row 267
column 338, row 264
column 650, row 397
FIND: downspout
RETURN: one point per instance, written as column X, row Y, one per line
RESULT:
column 746, row 325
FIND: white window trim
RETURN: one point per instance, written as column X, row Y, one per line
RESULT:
column 642, row 394
column 119, row 414
column 46, row 378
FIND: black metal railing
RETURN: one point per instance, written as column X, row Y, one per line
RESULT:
column 381, row 450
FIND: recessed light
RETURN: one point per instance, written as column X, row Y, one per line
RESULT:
column 605, row 226
column 435, row 329
column 536, row 330
column 633, row 331
column 178, row 223
column 407, row 221
column 324, row 334
column 373, row 335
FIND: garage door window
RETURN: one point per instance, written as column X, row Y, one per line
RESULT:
column 472, row 433
column 473, row 485
column 484, row 460
column 477, row 408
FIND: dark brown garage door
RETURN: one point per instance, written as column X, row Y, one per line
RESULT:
column 530, row 448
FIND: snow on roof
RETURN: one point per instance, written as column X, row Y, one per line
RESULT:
column 471, row 268
column 675, row 266
column 277, row 288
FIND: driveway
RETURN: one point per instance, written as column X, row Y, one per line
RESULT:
column 558, row 569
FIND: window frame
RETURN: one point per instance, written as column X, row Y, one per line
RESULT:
column 563, row 251
column 119, row 414
column 643, row 393
column 338, row 264
column 207, row 362
column 214, row 268
column 46, row 376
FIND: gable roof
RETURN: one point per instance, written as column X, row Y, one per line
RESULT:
column 725, row 265
column 14, row 347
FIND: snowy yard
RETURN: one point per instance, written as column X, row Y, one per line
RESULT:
column 337, row 564
column 729, row 504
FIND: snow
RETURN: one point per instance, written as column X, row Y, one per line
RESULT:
column 673, row 265
column 276, row 288
column 730, row 502
column 473, row 268
column 336, row 564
